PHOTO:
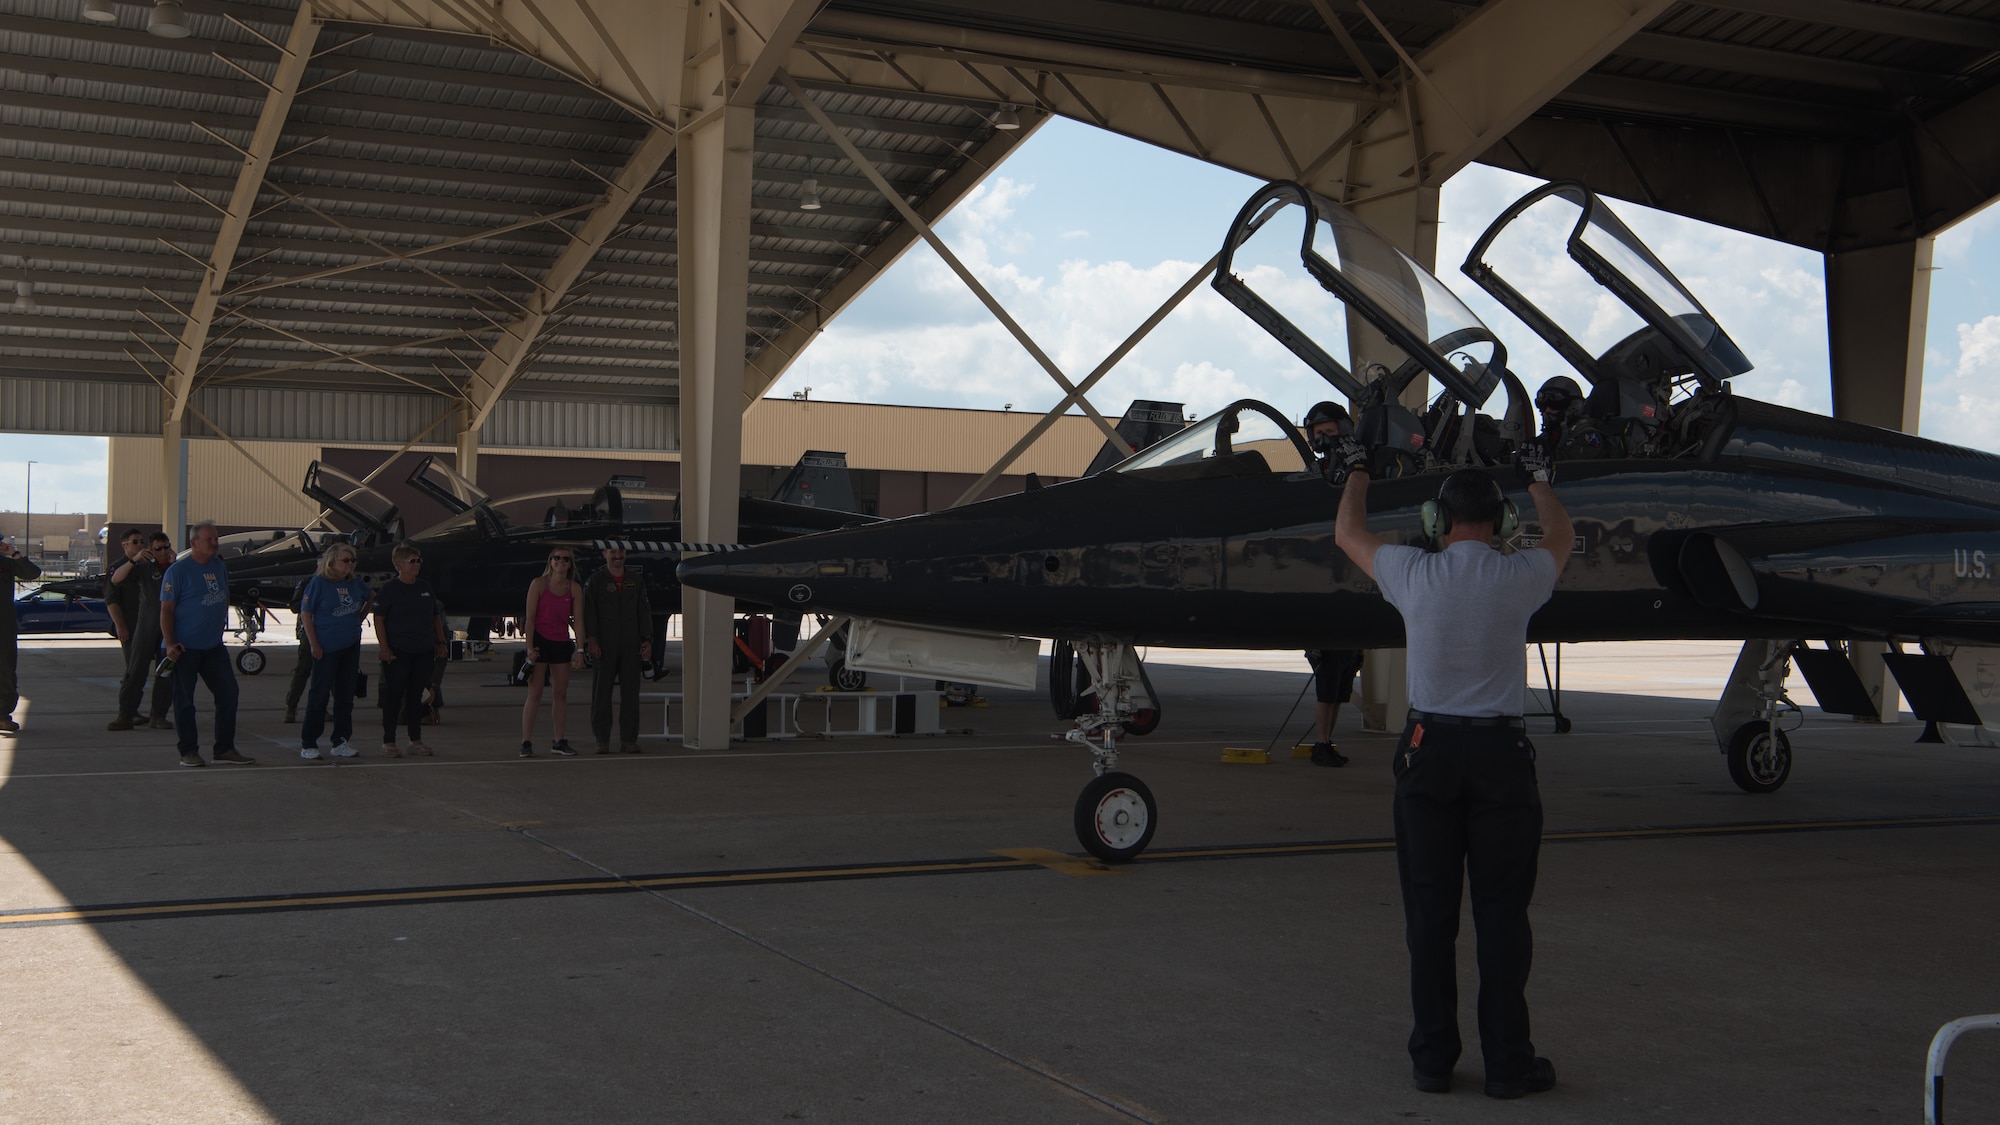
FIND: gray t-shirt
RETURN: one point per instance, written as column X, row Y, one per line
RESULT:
column 1465, row 610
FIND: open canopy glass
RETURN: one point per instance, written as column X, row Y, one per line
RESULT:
column 1363, row 274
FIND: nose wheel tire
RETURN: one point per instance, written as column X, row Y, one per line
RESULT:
column 1760, row 759
column 250, row 662
column 1115, row 817
column 843, row 678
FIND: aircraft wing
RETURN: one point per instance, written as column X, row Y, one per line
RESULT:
column 1974, row 623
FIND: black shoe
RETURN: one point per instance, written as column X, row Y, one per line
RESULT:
column 233, row 758
column 1431, row 1083
column 1325, row 755
column 1541, row 1076
column 527, row 749
column 561, row 749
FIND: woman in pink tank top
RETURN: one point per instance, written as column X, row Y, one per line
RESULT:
column 554, row 617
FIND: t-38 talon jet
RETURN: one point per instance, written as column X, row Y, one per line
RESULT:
column 481, row 559
column 1699, row 514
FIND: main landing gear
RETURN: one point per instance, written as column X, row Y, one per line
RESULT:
column 1115, row 813
column 1753, row 716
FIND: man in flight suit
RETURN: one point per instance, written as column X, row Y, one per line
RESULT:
column 1334, row 669
column 1466, row 798
column 617, row 630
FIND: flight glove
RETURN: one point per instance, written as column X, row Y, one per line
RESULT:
column 1534, row 465
column 1348, row 455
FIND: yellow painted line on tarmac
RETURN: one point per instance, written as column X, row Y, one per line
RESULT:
column 1080, row 866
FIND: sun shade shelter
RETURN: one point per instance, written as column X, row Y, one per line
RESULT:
column 612, row 224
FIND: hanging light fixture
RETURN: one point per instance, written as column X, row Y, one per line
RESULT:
column 809, row 196
column 100, row 11
column 1007, row 119
column 24, row 296
column 167, row 20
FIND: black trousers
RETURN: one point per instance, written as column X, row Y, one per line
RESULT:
column 301, row 676
column 403, row 683
column 1467, row 803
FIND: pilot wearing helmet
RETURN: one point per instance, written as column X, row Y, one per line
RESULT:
column 1568, row 431
column 1324, row 424
column 1334, row 669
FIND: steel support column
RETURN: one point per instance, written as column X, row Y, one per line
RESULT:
column 1410, row 220
column 714, row 230
column 173, row 482
column 467, row 444
column 1877, row 313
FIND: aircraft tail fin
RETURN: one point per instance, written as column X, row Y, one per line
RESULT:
column 819, row 480
column 1145, row 422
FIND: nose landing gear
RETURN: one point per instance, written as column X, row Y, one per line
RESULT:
column 1115, row 814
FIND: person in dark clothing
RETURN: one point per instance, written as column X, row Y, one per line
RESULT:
column 1466, row 798
column 1333, row 668
column 1333, row 684
column 409, row 630
column 14, row 567
column 143, row 574
column 302, row 666
column 617, row 631
column 121, row 594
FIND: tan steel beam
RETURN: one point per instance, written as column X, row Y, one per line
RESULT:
column 771, row 361
column 499, row 369
column 893, row 33
column 242, row 204
column 951, row 260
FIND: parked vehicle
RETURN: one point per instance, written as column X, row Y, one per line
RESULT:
column 51, row 611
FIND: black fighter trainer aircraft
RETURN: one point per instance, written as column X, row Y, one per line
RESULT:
column 481, row 559
column 1698, row 514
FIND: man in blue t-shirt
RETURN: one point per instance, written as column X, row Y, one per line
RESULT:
column 194, row 612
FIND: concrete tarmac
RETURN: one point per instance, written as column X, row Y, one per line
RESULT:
column 821, row 930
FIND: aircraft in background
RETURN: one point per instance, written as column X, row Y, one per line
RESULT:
column 1698, row 514
column 481, row 558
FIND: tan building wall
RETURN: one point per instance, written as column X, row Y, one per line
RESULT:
column 223, row 484
column 920, row 439
column 949, row 448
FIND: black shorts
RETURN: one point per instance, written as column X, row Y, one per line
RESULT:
column 1333, row 673
column 553, row 651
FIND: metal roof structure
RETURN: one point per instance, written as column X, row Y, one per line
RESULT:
column 437, row 222
column 421, row 193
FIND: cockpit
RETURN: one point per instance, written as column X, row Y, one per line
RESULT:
column 1245, row 438
column 1356, row 281
column 1657, row 363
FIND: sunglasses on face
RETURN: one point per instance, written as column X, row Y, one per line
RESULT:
column 561, row 558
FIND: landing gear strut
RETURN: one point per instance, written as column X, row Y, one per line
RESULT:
column 1115, row 813
column 1750, row 719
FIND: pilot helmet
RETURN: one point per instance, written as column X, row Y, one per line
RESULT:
column 1559, row 396
column 1327, row 412
column 1320, row 414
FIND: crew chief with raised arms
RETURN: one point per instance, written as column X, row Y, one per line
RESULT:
column 1466, row 798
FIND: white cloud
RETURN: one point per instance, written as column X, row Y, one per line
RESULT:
column 1963, row 406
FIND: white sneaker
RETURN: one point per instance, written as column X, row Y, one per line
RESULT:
column 342, row 750
column 309, row 753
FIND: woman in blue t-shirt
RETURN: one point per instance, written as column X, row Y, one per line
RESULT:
column 331, row 611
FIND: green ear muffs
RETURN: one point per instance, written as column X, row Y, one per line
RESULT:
column 1436, row 518
column 1436, row 521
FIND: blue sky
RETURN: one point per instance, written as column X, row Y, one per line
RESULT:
column 1082, row 233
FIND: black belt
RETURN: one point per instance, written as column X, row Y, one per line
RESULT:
column 1432, row 718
